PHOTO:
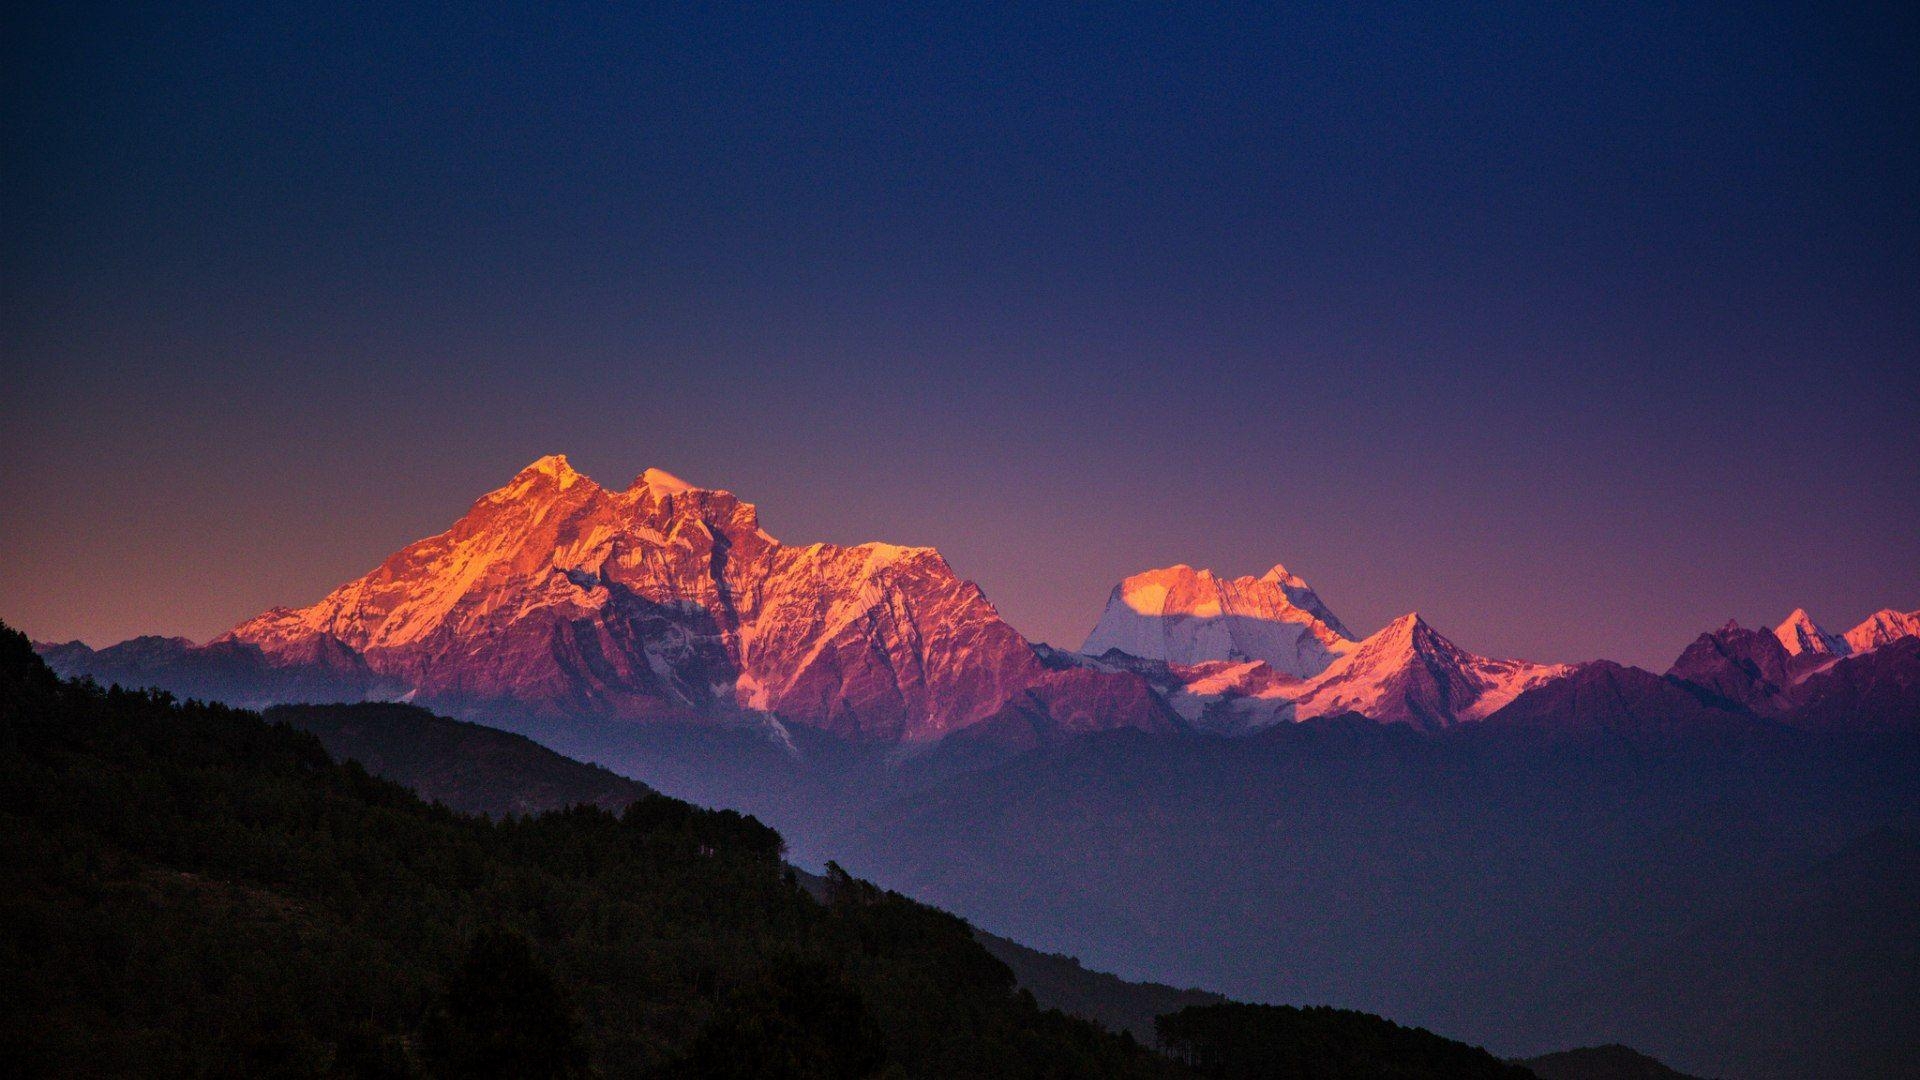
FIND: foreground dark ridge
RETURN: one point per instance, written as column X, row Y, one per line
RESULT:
column 191, row 891
column 468, row 767
column 471, row 766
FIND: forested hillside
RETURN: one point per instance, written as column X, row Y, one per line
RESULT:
column 467, row 766
column 186, row 890
column 190, row 891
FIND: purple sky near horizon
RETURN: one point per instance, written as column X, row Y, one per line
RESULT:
column 1578, row 333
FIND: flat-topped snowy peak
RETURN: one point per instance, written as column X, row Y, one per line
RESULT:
column 558, row 597
column 1242, row 653
column 1188, row 616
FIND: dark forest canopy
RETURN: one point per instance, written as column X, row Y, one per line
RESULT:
column 186, row 889
column 191, row 891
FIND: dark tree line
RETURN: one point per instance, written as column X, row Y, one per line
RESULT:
column 187, row 890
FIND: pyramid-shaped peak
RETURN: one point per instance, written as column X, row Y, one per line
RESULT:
column 1800, row 634
column 1409, row 636
column 552, row 472
column 1408, row 672
column 1409, row 628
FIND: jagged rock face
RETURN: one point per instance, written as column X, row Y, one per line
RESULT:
column 1878, row 690
column 1074, row 701
column 1747, row 667
column 1187, row 616
column 558, row 597
column 1602, row 697
column 1866, row 682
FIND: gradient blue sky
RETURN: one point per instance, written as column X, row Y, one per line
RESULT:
column 1577, row 331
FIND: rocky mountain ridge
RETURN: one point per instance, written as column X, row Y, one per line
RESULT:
column 556, row 603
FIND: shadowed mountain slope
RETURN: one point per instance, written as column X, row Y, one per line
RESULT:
column 1574, row 873
column 469, row 767
column 1060, row 982
column 191, row 891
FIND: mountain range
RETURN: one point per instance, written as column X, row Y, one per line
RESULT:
column 555, row 603
column 1224, row 786
column 292, row 916
column 554, row 600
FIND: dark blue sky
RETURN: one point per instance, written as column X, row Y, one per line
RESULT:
column 1578, row 331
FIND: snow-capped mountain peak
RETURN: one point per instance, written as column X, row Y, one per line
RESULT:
column 1235, row 655
column 548, row 474
column 550, row 465
column 662, row 481
column 1802, row 636
column 1883, row 627
column 1408, row 672
column 1188, row 616
column 556, row 599
column 1301, row 595
column 1408, row 631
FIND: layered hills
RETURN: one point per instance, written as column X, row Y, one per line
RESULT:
column 1225, row 786
column 244, row 905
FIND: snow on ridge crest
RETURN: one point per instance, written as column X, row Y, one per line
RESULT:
column 1800, row 634
column 1236, row 655
column 1184, row 615
column 1882, row 627
column 667, row 599
column 663, row 481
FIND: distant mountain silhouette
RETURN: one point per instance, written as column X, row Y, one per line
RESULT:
column 1612, row 1062
column 1061, row 982
column 1590, row 868
column 469, row 767
column 1874, row 691
column 1604, row 698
